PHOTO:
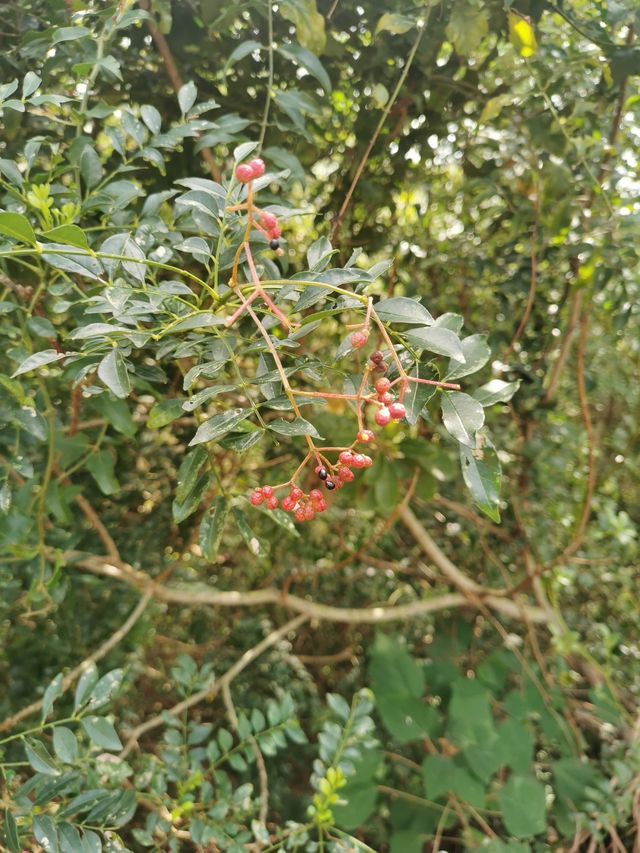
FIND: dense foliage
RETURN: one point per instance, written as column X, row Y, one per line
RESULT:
column 318, row 404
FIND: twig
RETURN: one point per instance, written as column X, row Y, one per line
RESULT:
column 77, row 671
column 533, row 281
column 212, row 690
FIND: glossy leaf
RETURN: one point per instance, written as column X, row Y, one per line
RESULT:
column 462, row 416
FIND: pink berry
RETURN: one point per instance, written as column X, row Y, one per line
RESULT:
column 267, row 491
column 295, row 493
column 272, row 502
column 316, row 495
column 397, row 411
column 386, row 398
column 383, row 416
column 346, row 457
column 288, row 504
column 358, row 460
column 368, row 462
column 257, row 167
column 365, row 436
column 321, row 506
column 244, row 173
column 309, row 513
column 359, row 339
column 300, row 515
column 256, row 498
column 338, row 482
column 268, row 220
column 383, row 384
column 346, row 474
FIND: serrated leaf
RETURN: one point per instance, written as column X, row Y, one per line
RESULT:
column 112, row 370
column 437, row 339
column 17, row 226
column 483, row 476
column 38, row 359
column 219, row 425
column 53, row 692
column 522, row 801
column 462, row 416
column 212, row 527
column 65, row 744
column 298, row 426
column 101, row 732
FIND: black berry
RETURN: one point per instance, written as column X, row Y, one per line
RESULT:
column 330, row 485
column 323, row 473
column 274, row 244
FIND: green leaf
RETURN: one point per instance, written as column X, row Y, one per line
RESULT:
column 470, row 719
column 437, row 339
column 11, row 836
column 53, row 692
column 105, row 688
column 101, row 466
column 522, row 35
column 571, row 779
column 192, row 499
column 65, row 745
column 394, row 22
column 5, row 497
column 212, row 527
column 69, row 235
column 393, row 669
column 522, row 802
column 476, row 354
column 443, row 775
column 30, row 83
column 298, row 426
column 38, row 359
column 309, row 61
column 46, row 833
column 90, row 167
column 101, row 732
column 164, row 412
column 496, row 391
column 116, row 413
column 69, row 34
column 113, row 372
column 253, row 543
column 219, row 425
column 39, row 758
column 85, row 685
column 462, row 416
column 239, row 53
column 400, row 309
column 188, row 472
column 517, row 743
column 309, row 24
column 17, row 226
column 187, row 96
column 468, row 25
column 75, row 263
column 418, row 394
column 151, row 117
column 126, row 246
column 201, row 320
column 483, row 477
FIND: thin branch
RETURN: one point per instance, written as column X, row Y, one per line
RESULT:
column 215, row 686
column 77, row 671
column 533, row 280
column 201, row 595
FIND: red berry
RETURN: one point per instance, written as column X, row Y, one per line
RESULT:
column 300, row 514
column 244, row 173
column 376, row 357
column 275, row 232
column 257, row 167
column 315, row 495
column 309, row 513
column 358, row 460
column 346, row 457
column 386, row 398
column 365, row 436
column 383, row 384
column 368, row 462
column 267, row 491
column 338, row 482
column 288, row 504
column 295, row 493
column 383, row 416
column 269, row 220
column 256, row 498
column 321, row 506
column 359, row 339
column 272, row 502
column 346, row 474
column 397, row 411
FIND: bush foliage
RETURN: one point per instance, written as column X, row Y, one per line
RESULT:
column 446, row 655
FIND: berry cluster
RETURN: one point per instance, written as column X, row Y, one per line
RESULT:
column 268, row 222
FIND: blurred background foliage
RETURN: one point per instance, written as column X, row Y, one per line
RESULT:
column 501, row 178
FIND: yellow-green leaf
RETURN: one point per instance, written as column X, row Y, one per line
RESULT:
column 521, row 35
